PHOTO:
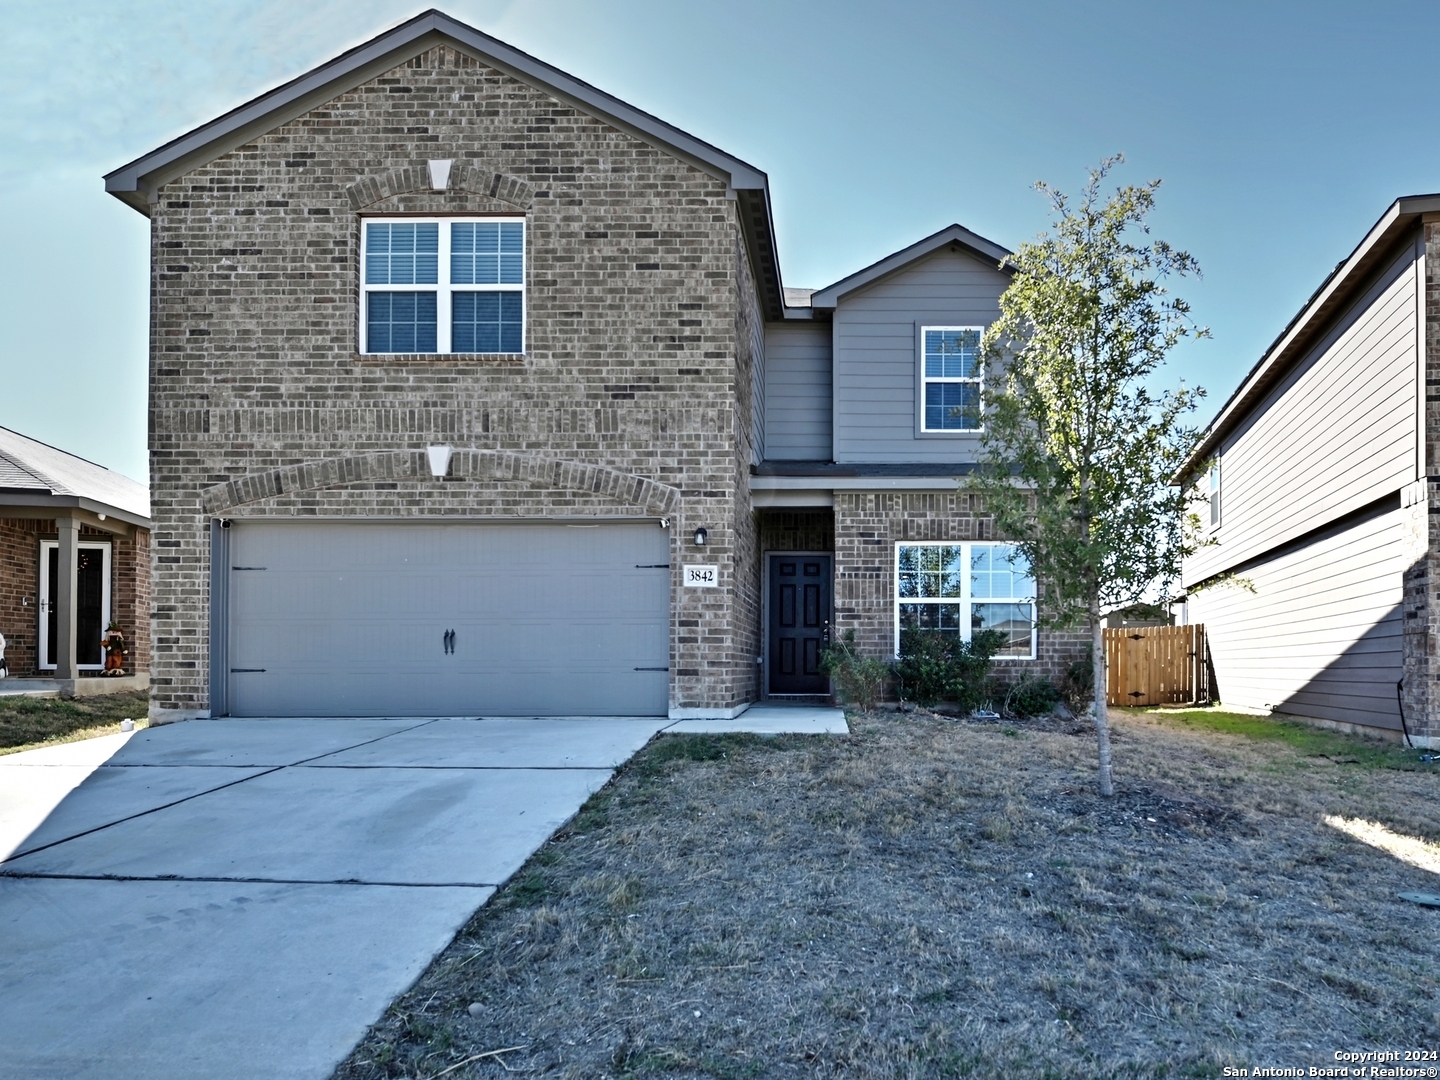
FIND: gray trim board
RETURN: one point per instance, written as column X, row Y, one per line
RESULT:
column 975, row 244
column 830, row 470
column 219, row 618
column 136, row 182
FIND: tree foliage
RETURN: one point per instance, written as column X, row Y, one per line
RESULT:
column 1078, row 449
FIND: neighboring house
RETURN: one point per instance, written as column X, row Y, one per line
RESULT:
column 1319, row 480
column 58, row 510
column 474, row 388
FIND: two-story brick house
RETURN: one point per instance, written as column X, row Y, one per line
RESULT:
column 475, row 389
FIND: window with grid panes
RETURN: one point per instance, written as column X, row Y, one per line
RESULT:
column 445, row 285
column 950, row 378
column 965, row 588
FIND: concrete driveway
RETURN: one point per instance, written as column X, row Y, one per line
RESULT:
column 242, row 898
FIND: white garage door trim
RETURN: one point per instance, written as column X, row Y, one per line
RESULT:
column 344, row 617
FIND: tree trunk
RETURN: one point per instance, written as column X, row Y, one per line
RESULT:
column 1102, row 717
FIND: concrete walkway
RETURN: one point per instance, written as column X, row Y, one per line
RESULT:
column 242, row 898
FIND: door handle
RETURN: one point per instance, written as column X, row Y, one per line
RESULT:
column 447, row 641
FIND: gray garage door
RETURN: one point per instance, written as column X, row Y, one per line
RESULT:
column 448, row 620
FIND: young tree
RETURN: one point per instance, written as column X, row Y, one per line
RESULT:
column 1078, row 451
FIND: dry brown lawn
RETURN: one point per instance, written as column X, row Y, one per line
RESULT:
column 938, row 898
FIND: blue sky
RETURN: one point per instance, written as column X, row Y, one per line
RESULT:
column 1281, row 130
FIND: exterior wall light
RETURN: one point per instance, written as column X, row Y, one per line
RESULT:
column 439, row 459
column 700, row 537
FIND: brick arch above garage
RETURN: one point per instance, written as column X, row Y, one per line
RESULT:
column 491, row 465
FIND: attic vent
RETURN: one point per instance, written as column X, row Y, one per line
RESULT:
column 440, row 174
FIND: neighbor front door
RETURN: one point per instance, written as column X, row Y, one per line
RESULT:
column 92, row 603
column 799, row 621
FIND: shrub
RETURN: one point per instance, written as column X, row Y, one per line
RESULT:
column 1031, row 696
column 935, row 666
column 859, row 680
column 1078, row 685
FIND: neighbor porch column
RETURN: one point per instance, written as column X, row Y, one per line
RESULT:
column 63, row 604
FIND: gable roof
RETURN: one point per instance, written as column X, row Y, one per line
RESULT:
column 33, row 472
column 135, row 183
column 828, row 297
column 1328, row 302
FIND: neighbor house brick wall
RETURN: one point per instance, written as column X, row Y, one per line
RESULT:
column 867, row 527
column 20, row 590
column 633, row 358
column 130, row 596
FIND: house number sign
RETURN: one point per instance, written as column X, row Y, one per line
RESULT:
column 702, row 577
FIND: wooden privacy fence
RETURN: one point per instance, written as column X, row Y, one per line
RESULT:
column 1156, row 665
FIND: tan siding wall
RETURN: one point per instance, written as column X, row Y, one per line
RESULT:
column 1337, row 434
column 1321, row 635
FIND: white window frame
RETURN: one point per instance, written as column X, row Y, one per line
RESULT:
column 978, row 381
column 966, row 600
column 47, row 596
column 443, row 288
column 1215, row 500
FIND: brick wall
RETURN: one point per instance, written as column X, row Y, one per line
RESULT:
column 130, row 596
column 867, row 526
column 633, row 359
column 796, row 530
column 20, row 590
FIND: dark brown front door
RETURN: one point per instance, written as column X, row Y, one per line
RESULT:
column 799, row 623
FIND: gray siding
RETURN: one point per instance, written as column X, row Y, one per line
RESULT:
column 875, row 355
column 797, row 391
column 1338, row 433
column 1321, row 634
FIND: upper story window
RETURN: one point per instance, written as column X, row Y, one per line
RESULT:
column 444, row 285
column 950, row 378
column 965, row 588
column 1215, row 494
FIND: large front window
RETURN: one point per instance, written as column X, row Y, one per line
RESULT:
column 965, row 588
column 447, row 285
column 950, row 378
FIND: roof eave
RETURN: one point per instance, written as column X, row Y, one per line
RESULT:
column 829, row 297
column 14, row 499
column 137, row 178
column 137, row 182
column 1326, row 303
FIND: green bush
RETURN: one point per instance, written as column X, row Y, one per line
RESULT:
column 859, row 680
column 1031, row 696
column 935, row 666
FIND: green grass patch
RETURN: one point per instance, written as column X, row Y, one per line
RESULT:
column 1302, row 738
column 28, row 722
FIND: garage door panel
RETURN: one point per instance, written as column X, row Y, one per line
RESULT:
column 349, row 619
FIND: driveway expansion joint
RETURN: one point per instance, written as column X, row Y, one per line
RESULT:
column 40, row 876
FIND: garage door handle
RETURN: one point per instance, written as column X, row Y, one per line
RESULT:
column 244, row 670
column 652, row 669
column 652, row 566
